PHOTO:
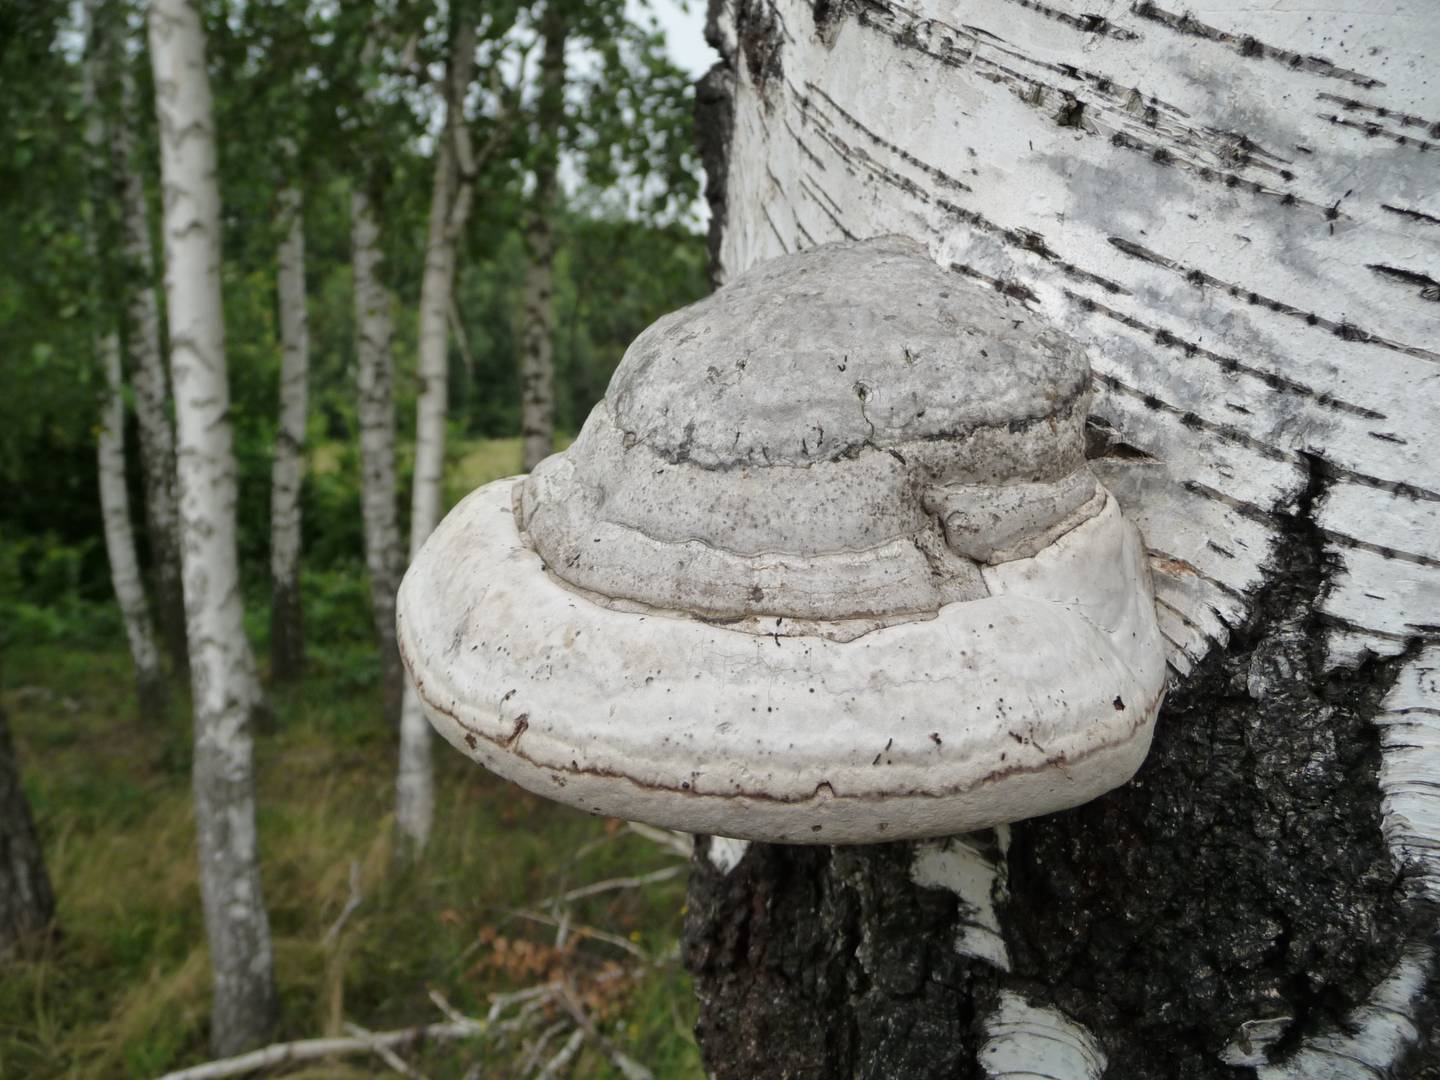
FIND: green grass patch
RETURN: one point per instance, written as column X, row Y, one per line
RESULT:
column 124, row 989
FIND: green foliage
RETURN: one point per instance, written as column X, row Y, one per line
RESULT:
column 326, row 96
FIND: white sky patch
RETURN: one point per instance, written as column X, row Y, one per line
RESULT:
column 684, row 24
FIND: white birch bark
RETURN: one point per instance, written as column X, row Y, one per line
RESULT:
column 449, row 209
column 222, row 670
column 110, row 439
column 120, row 536
column 142, row 313
column 1235, row 209
column 376, row 412
column 537, row 361
column 288, row 469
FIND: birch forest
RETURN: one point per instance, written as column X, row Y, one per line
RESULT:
column 285, row 279
column 298, row 297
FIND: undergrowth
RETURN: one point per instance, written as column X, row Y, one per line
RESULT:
column 123, row 989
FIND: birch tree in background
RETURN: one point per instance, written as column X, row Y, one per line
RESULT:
column 1237, row 211
column 287, row 647
column 449, row 210
column 147, row 379
column 223, row 683
column 537, row 363
column 375, row 378
column 151, row 681
column 125, row 575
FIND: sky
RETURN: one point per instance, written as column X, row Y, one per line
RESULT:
column 684, row 33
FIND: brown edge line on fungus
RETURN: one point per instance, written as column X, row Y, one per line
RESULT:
column 507, row 743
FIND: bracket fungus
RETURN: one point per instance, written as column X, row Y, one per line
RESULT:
column 826, row 565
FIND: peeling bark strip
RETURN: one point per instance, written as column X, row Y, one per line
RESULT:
column 1023, row 1042
column 375, row 377
column 1250, row 275
column 222, row 671
column 973, row 868
column 537, row 361
column 287, row 650
column 449, row 210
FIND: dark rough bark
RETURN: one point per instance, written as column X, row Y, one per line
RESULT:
column 27, row 904
column 714, row 120
column 828, row 962
column 1241, row 875
column 714, row 124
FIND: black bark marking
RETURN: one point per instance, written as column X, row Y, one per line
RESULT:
column 1004, row 286
column 1405, row 119
column 1085, row 24
column 1272, row 379
column 1249, row 46
column 1413, row 215
column 1372, row 130
column 1429, row 287
column 938, row 175
column 1342, row 328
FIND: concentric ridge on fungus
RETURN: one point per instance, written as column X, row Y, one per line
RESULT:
column 826, row 565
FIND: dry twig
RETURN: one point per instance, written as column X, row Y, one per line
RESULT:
column 613, row 884
column 290, row 1053
column 681, row 843
column 628, row 1066
column 355, row 899
column 564, row 1057
column 384, row 1053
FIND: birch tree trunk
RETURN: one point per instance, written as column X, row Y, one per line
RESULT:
column 142, row 312
column 287, row 646
column 375, row 379
column 152, row 684
column 449, row 210
column 537, row 362
column 125, row 576
column 27, row 904
column 222, row 670
column 1239, row 215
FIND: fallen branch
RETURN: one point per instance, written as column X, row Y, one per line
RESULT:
column 384, row 1053
column 500, row 1002
column 613, row 884
column 585, row 932
column 312, row 1049
column 535, row 1049
column 628, row 1066
column 564, row 1057
column 678, row 842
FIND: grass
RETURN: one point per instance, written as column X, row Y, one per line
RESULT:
column 123, row 991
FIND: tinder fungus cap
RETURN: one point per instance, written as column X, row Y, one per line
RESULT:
column 826, row 565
